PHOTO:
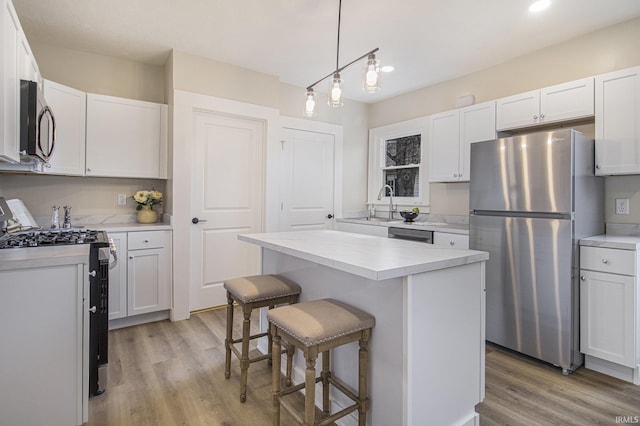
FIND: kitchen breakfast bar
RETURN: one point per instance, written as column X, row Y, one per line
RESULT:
column 427, row 346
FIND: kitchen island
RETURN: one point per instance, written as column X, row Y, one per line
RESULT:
column 427, row 347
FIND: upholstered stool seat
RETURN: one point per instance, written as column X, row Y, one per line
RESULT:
column 317, row 327
column 251, row 293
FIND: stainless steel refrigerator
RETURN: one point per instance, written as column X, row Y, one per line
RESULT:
column 532, row 198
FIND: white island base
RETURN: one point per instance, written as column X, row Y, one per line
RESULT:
column 427, row 346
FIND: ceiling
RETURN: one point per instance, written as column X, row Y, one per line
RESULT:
column 427, row 41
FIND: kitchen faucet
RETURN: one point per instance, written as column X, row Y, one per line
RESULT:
column 390, row 198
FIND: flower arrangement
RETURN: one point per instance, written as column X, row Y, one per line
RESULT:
column 147, row 198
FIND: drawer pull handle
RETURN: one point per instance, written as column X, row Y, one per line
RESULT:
column 605, row 261
column 583, row 278
column 451, row 243
column 146, row 241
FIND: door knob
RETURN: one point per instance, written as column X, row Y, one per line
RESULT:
column 329, row 216
column 195, row 220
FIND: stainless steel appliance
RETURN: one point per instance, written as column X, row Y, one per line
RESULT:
column 37, row 124
column 532, row 197
column 100, row 252
column 420, row 235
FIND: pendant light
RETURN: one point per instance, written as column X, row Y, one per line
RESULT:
column 370, row 84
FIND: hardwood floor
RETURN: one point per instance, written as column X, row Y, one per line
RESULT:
column 167, row 373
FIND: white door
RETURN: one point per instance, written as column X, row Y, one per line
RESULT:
column 227, row 200
column 307, row 180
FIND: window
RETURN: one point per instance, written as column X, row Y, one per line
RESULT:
column 397, row 157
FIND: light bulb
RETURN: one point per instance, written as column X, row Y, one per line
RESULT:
column 335, row 91
column 371, row 80
column 310, row 104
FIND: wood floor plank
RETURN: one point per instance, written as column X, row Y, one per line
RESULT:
column 172, row 373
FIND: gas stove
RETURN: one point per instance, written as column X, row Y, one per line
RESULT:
column 52, row 238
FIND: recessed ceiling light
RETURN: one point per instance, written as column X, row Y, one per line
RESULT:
column 387, row 68
column 539, row 5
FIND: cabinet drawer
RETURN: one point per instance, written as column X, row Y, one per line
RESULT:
column 444, row 239
column 608, row 260
column 145, row 240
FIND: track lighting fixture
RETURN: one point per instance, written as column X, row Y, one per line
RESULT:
column 370, row 83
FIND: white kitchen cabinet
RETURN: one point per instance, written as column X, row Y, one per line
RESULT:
column 148, row 271
column 562, row 102
column 449, row 240
column 69, row 107
column 617, row 106
column 118, row 278
column 451, row 134
column 141, row 282
column 609, row 319
column 10, row 88
column 44, row 335
column 125, row 138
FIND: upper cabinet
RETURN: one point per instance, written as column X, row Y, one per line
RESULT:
column 566, row 101
column 10, row 89
column 125, row 138
column 617, row 110
column 69, row 108
column 451, row 134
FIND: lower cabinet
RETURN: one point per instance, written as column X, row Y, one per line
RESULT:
column 44, row 335
column 609, row 320
column 141, row 282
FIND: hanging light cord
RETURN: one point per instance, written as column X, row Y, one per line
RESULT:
column 338, row 47
column 338, row 67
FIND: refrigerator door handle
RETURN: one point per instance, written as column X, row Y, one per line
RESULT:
column 538, row 215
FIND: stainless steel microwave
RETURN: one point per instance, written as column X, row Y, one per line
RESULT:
column 37, row 124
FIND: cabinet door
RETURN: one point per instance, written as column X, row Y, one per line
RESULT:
column 148, row 279
column 444, row 129
column 118, row 278
column 607, row 317
column 10, row 96
column 519, row 110
column 477, row 124
column 617, row 108
column 123, row 137
column 69, row 108
column 567, row 101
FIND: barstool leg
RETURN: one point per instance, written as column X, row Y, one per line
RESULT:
column 275, row 377
column 363, row 368
column 229, row 338
column 269, row 342
column 290, row 350
column 326, row 373
column 310, row 390
column 244, row 361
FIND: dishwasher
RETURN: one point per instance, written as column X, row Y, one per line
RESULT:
column 419, row 235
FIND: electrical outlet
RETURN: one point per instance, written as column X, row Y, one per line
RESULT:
column 122, row 199
column 622, row 206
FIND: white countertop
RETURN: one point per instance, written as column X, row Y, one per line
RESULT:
column 622, row 242
column 367, row 256
column 34, row 257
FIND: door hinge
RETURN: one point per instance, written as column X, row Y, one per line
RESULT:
column 282, row 142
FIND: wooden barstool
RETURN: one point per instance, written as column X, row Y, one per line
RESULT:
column 317, row 327
column 251, row 293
